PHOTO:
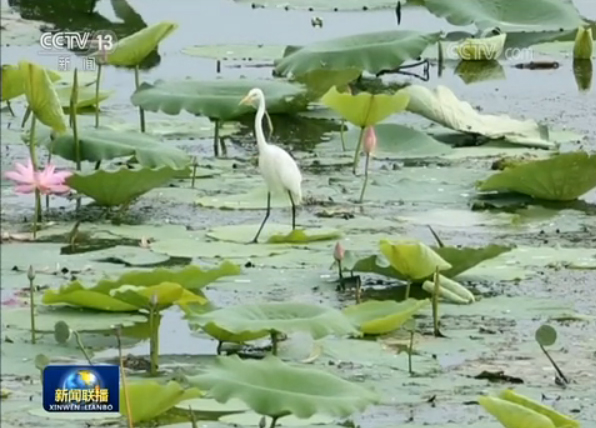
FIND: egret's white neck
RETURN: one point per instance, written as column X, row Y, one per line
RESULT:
column 261, row 142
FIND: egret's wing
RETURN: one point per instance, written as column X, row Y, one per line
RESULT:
column 288, row 172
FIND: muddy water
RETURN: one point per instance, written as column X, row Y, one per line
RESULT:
column 545, row 95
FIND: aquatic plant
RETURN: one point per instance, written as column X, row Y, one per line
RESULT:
column 31, row 278
column 545, row 336
column 375, row 317
column 275, row 389
column 583, row 47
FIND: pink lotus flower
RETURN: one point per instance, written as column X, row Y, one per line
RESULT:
column 47, row 181
column 370, row 140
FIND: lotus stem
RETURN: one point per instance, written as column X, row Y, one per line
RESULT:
column 435, row 304
column 441, row 59
column 81, row 346
column 218, row 66
column 10, row 108
column 31, row 278
column 97, row 165
column 97, row 95
column 410, row 350
column 274, row 340
column 154, row 323
column 437, row 239
column 341, row 275
column 273, row 422
column 341, row 135
column 366, row 164
column 37, row 216
column 194, row 171
column 26, row 117
column 557, row 369
column 408, row 287
column 193, row 418
column 74, row 101
column 358, row 291
column 216, row 139
column 219, row 346
column 357, row 152
column 123, row 376
column 141, row 111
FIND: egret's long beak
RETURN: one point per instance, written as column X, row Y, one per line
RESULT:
column 246, row 100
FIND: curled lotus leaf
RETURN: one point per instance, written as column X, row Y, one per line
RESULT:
column 273, row 388
column 413, row 259
column 380, row 317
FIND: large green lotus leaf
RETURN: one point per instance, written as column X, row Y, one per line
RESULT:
column 325, row 5
column 12, row 81
column 462, row 259
column 365, row 109
column 150, row 399
column 99, row 144
column 369, row 264
column 371, row 52
column 399, row 141
column 76, row 318
column 412, row 258
column 218, row 99
column 41, row 95
column 563, row 177
column 319, row 321
column 443, row 107
column 272, row 233
column 226, row 336
column 236, row 52
column 102, row 295
column 133, row 49
column 557, row 418
column 513, row 415
column 508, row 14
column 85, row 96
column 119, row 187
column 273, row 388
column 381, row 317
column 319, row 82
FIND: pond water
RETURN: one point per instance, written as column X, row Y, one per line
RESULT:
column 549, row 277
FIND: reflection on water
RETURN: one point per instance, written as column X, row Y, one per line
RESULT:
column 80, row 16
column 583, row 72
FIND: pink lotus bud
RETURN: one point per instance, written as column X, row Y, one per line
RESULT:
column 339, row 252
column 370, row 140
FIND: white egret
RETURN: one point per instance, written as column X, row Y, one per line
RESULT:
column 278, row 168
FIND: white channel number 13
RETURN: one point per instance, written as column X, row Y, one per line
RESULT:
column 104, row 42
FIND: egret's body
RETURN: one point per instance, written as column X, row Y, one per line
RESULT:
column 278, row 168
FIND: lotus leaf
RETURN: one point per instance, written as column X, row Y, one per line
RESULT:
column 218, row 99
column 225, row 336
column 557, row 418
column 412, row 258
column 381, row 317
column 319, row 82
column 133, row 49
column 507, row 14
column 365, row 109
column 465, row 258
column 165, row 294
column 42, row 98
column 546, row 335
column 12, row 81
column 150, row 399
column 273, row 388
column 483, row 49
column 326, row 5
column 371, row 52
column 236, row 52
column 85, row 96
column 98, row 144
column 119, row 187
column 563, row 177
column 212, row 407
column 513, row 415
column 443, row 107
column 400, row 141
column 319, row 321
column 275, row 233
column 101, row 296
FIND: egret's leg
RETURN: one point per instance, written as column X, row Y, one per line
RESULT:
column 293, row 211
column 254, row 241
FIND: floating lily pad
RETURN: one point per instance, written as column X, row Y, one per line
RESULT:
column 559, row 49
column 189, row 247
column 253, row 419
column 255, row 199
column 272, row 233
column 462, row 259
column 177, row 128
column 564, row 177
column 122, row 186
column 273, row 388
column 236, row 52
column 209, row 405
column 380, row 317
column 83, row 416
